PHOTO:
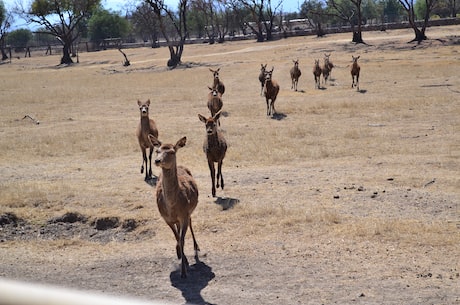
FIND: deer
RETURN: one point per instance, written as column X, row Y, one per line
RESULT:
column 217, row 83
column 271, row 90
column 215, row 147
column 214, row 101
column 317, row 73
column 295, row 74
column 146, row 127
column 330, row 65
column 262, row 77
column 326, row 70
column 355, row 68
column 176, row 196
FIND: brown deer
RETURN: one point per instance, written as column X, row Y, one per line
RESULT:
column 146, row 126
column 177, row 196
column 295, row 74
column 271, row 90
column 214, row 147
column 355, row 68
column 217, row 83
column 262, row 77
column 214, row 101
column 326, row 70
column 329, row 63
column 317, row 73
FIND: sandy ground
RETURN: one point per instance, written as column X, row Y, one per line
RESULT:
column 333, row 227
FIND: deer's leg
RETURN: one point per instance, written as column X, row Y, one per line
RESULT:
column 212, row 169
column 268, row 106
column 195, row 244
column 175, row 229
column 184, row 264
column 219, row 175
column 144, row 161
column 357, row 82
column 150, row 161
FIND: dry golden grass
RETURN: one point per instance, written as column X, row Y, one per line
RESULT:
column 339, row 167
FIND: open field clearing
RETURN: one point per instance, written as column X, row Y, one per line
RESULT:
column 343, row 197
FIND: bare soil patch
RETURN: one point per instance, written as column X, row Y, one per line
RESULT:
column 342, row 197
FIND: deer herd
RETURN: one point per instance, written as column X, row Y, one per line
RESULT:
column 176, row 189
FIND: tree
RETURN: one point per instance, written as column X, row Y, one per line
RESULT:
column 262, row 14
column 61, row 18
column 145, row 23
column 349, row 11
column 409, row 7
column 175, row 39
column 392, row 10
column 315, row 12
column 19, row 37
column 5, row 23
column 104, row 24
column 216, row 17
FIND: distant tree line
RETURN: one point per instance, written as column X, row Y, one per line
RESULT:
column 68, row 22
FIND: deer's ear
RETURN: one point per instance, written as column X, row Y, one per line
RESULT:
column 202, row 118
column 180, row 143
column 139, row 102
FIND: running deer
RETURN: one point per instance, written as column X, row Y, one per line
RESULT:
column 355, row 68
column 215, row 147
column 326, row 70
column 317, row 73
column 262, row 77
column 177, row 196
column 295, row 74
column 330, row 65
column 146, row 126
column 271, row 90
column 217, row 83
column 214, row 101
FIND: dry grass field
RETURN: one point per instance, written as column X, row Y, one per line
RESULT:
column 344, row 197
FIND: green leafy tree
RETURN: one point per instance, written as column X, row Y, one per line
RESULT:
column 19, row 37
column 146, row 23
column 61, row 19
column 315, row 12
column 392, row 11
column 5, row 23
column 105, row 24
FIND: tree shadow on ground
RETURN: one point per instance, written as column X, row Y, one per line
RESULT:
column 198, row 277
column 226, row 203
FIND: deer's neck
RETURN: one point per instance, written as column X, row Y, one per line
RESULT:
column 145, row 122
column 170, row 184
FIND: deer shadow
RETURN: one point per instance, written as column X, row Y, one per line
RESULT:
column 226, row 203
column 152, row 181
column 278, row 116
column 198, row 277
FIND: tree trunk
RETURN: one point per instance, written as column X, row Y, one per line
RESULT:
column 419, row 34
column 66, row 59
column 4, row 55
column 357, row 37
column 319, row 31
